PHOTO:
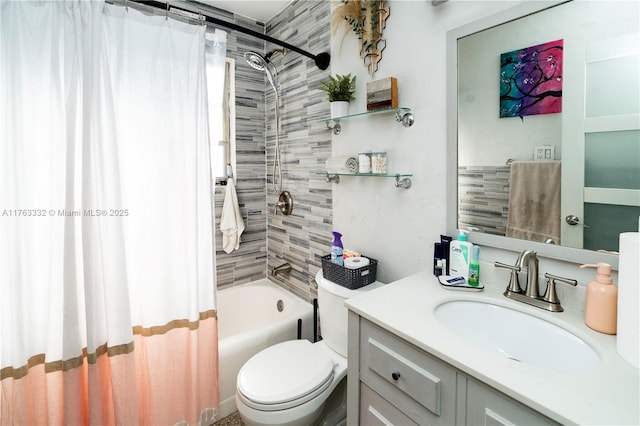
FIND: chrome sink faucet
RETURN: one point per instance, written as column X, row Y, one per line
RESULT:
column 529, row 260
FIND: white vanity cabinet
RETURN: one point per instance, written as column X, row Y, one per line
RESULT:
column 392, row 382
column 418, row 385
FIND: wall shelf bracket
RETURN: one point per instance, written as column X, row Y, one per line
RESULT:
column 405, row 117
column 336, row 127
column 404, row 183
column 333, row 178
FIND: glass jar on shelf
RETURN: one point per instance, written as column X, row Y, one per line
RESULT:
column 364, row 162
column 379, row 163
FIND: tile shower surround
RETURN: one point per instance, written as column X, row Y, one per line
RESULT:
column 483, row 198
column 304, row 236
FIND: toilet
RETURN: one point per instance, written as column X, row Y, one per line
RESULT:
column 298, row 382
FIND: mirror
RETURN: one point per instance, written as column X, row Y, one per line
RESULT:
column 480, row 143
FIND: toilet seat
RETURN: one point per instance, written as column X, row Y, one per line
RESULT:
column 285, row 375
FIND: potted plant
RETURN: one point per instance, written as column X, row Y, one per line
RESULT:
column 340, row 91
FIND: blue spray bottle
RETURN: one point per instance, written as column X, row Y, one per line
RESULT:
column 337, row 249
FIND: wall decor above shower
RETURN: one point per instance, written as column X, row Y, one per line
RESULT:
column 367, row 19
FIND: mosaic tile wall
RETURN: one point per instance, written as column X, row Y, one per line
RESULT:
column 483, row 198
column 249, row 262
column 304, row 236
column 272, row 239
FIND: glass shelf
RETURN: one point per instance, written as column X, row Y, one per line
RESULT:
column 381, row 111
column 402, row 115
column 403, row 180
column 385, row 175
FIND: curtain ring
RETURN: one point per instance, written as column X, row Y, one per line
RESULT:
column 200, row 18
column 166, row 13
column 126, row 5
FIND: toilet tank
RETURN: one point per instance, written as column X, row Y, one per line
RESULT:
column 333, row 313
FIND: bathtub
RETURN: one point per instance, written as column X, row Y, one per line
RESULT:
column 248, row 321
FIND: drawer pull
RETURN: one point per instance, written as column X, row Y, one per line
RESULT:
column 395, row 375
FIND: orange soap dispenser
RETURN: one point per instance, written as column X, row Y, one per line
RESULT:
column 601, row 301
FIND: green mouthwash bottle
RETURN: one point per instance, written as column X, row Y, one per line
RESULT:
column 474, row 267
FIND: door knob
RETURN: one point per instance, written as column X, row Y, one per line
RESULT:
column 574, row 220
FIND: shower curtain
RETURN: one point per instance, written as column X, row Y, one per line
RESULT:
column 107, row 292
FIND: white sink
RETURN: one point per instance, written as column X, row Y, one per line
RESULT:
column 517, row 335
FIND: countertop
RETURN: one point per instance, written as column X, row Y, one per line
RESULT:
column 608, row 394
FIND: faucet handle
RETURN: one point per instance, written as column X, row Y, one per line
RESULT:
column 514, row 284
column 550, row 295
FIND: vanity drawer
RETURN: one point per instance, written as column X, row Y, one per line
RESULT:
column 486, row 406
column 419, row 385
column 377, row 411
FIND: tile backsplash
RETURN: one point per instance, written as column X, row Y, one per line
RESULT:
column 483, row 198
column 305, row 143
column 304, row 236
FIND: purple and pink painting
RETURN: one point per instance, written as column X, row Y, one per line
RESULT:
column 531, row 80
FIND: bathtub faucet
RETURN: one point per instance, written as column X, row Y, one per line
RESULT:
column 285, row 268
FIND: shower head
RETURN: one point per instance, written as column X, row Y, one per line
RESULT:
column 256, row 60
column 262, row 63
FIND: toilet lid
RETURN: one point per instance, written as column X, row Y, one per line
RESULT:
column 285, row 372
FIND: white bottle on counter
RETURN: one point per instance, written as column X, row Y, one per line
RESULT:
column 460, row 255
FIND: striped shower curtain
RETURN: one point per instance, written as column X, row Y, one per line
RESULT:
column 107, row 292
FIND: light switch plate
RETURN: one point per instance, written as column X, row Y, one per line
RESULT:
column 544, row 153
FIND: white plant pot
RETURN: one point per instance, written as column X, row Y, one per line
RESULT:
column 339, row 109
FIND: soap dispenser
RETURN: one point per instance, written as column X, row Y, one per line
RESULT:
column 460, row 252
column 601, row 301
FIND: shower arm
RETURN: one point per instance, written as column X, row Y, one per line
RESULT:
column 321, row 60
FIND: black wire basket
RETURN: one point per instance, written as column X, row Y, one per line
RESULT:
column 349, row 278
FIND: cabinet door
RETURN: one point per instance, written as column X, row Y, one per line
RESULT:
column 419, row 385
column 486, row 406
column 377, row 411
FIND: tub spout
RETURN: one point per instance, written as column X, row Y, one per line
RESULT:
column 285, row 268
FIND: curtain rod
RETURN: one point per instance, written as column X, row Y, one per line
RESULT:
column 321, row 60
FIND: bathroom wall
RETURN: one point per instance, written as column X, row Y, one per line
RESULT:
column 398, row 226
column 305, row 143
column 271, row 239
column 249, row 262
column 395, row 226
